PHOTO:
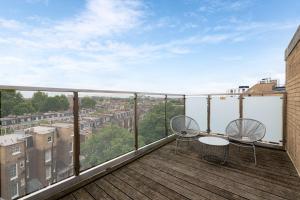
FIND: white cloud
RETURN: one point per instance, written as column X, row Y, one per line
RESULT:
column 102, row 17
column 10, row 24
column 85, row 50
column 213, row 6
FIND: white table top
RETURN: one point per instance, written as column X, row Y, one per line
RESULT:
column 211, row 140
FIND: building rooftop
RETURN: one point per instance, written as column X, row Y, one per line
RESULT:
column 62, row 125
column 10, row 139
column 42, row 129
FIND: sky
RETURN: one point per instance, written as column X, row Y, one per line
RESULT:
column 169, row 46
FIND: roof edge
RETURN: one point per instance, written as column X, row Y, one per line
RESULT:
column 293, row 43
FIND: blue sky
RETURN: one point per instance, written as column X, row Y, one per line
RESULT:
column 177, row 46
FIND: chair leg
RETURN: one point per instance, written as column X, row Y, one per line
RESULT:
column 254, row 153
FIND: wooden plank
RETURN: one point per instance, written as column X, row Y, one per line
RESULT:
column 157, row 186
column 223, row 170
column 111, row 190
column 82, row 194
column 173, row 186
column 198, row 182
column 124, row 187
column 163, row 175
column 247, row 168
column 238, row 189
column 68, row 197
column 140, row 186
column 184, row 184
column 272, row 189
column 97, row 192
column 257, row 173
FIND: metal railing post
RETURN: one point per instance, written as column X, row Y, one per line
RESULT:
column 241, row 106
column 166, row 124
column 184, row 106
column 208, row 113
column 284, row 119
column 136, row 131
column 76, row 142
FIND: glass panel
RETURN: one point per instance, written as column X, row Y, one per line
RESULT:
column 36, row 135
column 268, row 110
column 106, row 127
column 223, row 109
column 175, row 106
column 151, row 117
column 196, row 108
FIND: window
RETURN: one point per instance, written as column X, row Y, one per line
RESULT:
column 27, row 171
column 49, row 139
column 48, row 155
column 13, row 171
column 22, row 164
column 22, row 182
column 71, row 147
column 14, row 190
column 48, row 172
column 15, row 150
column 29, row 142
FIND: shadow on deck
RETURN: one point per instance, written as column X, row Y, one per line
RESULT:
column 163, row 174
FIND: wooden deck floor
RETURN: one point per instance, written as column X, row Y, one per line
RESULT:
column 164, row 175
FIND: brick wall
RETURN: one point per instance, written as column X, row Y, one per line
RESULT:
column 292, row 57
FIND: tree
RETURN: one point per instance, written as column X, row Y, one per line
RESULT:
column 39, row 100
column 13, row 102
column 105, row 144
column 23, row 108
column 9, row 100
column 42, row 103
column 56, row 103
column 87, row 102
column 152, row 127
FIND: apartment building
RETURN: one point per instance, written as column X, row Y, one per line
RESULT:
column 266, row 85
column 12, row 165
column 43, row 165
column 64, row 159
column 35, row 158
column 11, row 123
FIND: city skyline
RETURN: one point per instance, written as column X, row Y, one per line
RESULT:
column 191, row 46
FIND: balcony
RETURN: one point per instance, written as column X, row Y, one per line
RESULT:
column 162, row 174
column 122, row 146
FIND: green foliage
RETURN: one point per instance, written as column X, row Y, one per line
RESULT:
column 13, row 102
column 42, row 103
column 38, row 101
column 22, row 108
column 10, row 100
column 152, row 127
column 87, row 102
column 56, row 103
column 108, row 143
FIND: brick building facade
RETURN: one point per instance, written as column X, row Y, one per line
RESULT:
column 292, row 57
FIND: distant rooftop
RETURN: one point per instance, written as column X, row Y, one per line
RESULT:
column 42, row 129
column 10, row 139
column 62, row 125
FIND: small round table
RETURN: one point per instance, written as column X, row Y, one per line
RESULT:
column 214, row 148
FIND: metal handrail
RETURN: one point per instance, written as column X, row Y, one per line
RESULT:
column 50, row 89
column 237, row 94
column 53, row 89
